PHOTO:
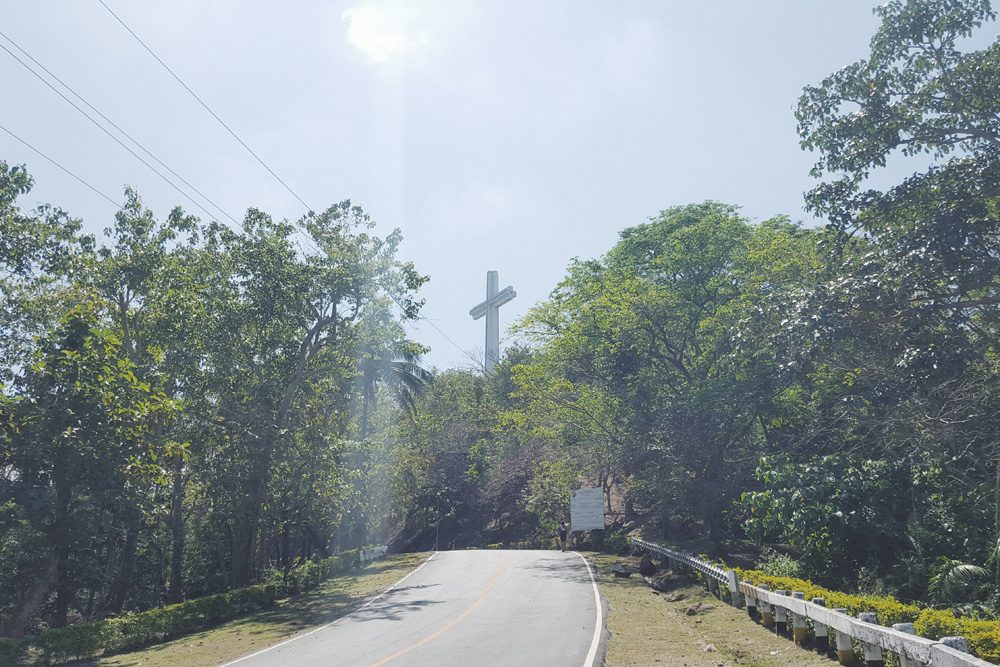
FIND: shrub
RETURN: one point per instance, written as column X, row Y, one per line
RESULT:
column 133, row 631
column 616, row 543
column 11, row 651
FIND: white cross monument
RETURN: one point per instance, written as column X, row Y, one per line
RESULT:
column 491, row 309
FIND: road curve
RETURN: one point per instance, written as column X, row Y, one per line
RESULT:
column 519, row 608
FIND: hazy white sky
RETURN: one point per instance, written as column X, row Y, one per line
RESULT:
column 508, row 136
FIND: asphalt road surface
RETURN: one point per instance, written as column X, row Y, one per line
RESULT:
column 519, row 608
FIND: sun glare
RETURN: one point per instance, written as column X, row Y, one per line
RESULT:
column 370, row 32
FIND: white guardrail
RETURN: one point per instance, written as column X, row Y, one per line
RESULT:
column 776, row 606
column 375, row 553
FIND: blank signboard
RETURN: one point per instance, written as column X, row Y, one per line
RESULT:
column 586, row 509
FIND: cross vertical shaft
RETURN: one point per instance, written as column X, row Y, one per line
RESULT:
column 490, row 308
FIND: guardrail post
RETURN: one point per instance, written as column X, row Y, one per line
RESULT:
column 903, row 660
column 766, row 615
column 957, row 643
column 845, row 647
column 734, row 589
column 781, row 615
column 873, row 654
column 798, row 621
column 751, row 603
column 821, row 631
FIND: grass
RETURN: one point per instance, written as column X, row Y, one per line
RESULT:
column 331, row 600
column 652, row 628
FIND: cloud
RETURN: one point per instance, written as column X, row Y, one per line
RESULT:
column 382, row 32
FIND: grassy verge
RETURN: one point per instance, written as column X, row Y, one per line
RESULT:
column 331, row 600
column 652, row 628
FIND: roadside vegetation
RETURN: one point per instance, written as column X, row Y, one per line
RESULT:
column 188, row 409
column 330, row 600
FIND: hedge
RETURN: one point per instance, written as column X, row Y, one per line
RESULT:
column 134, row 631
column 983, row 636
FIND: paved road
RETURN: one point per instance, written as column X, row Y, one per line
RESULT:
column 521, row 608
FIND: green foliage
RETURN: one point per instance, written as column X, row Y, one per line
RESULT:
column 845, row 513
column 616, row 543
column 137, row 630
column 548, row 492
column 780, row 565
column 176, row 401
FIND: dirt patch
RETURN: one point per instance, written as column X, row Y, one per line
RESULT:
column 674, row 626
column 333, row 599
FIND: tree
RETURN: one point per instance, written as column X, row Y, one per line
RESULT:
column 75, row 442
column 931, row 257
column 908, row 315
column 650, row 355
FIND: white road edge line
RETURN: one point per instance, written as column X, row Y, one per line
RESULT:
column 324, row 627
column 599, row 626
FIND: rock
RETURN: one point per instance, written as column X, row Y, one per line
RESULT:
column 707, row 607
column 646, row 567
column 711, row 649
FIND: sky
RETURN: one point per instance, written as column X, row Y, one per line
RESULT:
column 507, row 136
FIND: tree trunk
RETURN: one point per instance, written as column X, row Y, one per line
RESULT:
column 247, row 522
column 32, row 598
column 123, row 577
column 175, row 592
column 64, row 591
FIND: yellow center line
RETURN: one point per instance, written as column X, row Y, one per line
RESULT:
column 440, row 632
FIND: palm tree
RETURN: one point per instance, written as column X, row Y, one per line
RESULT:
column 397, row 365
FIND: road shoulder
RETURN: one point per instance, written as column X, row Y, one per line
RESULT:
column 649, row 627
column 333, row 599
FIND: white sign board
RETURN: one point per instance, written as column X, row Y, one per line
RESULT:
column 586, row 509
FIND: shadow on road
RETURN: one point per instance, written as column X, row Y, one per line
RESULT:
column 390, row 607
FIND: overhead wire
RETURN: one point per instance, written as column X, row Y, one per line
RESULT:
column 116, row 127
column 106, row 131
column 60, row 166
column 200, row 101
column 308, row 208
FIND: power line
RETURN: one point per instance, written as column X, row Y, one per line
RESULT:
column 112, row 123
column 117, row 205
column 421, row 317
column 249, row 150
column 457, row 346
column 184, row 85
column 105, row 130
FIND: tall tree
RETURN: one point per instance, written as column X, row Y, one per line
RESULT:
column 74, row 444
column 648, row 351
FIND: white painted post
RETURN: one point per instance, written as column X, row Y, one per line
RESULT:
column 751, row 603
column 910, row 630
column 873, row 654
column 822, row 632
column 798, row 621
column 780, row 615
column 845, row 647
column 734, row 589
column 766, row 616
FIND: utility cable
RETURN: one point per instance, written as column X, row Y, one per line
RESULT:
column 112, row 124
column 105, row 130
column 117, row 205
column 249, row 150
column 216, row 117
column 421, row 317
